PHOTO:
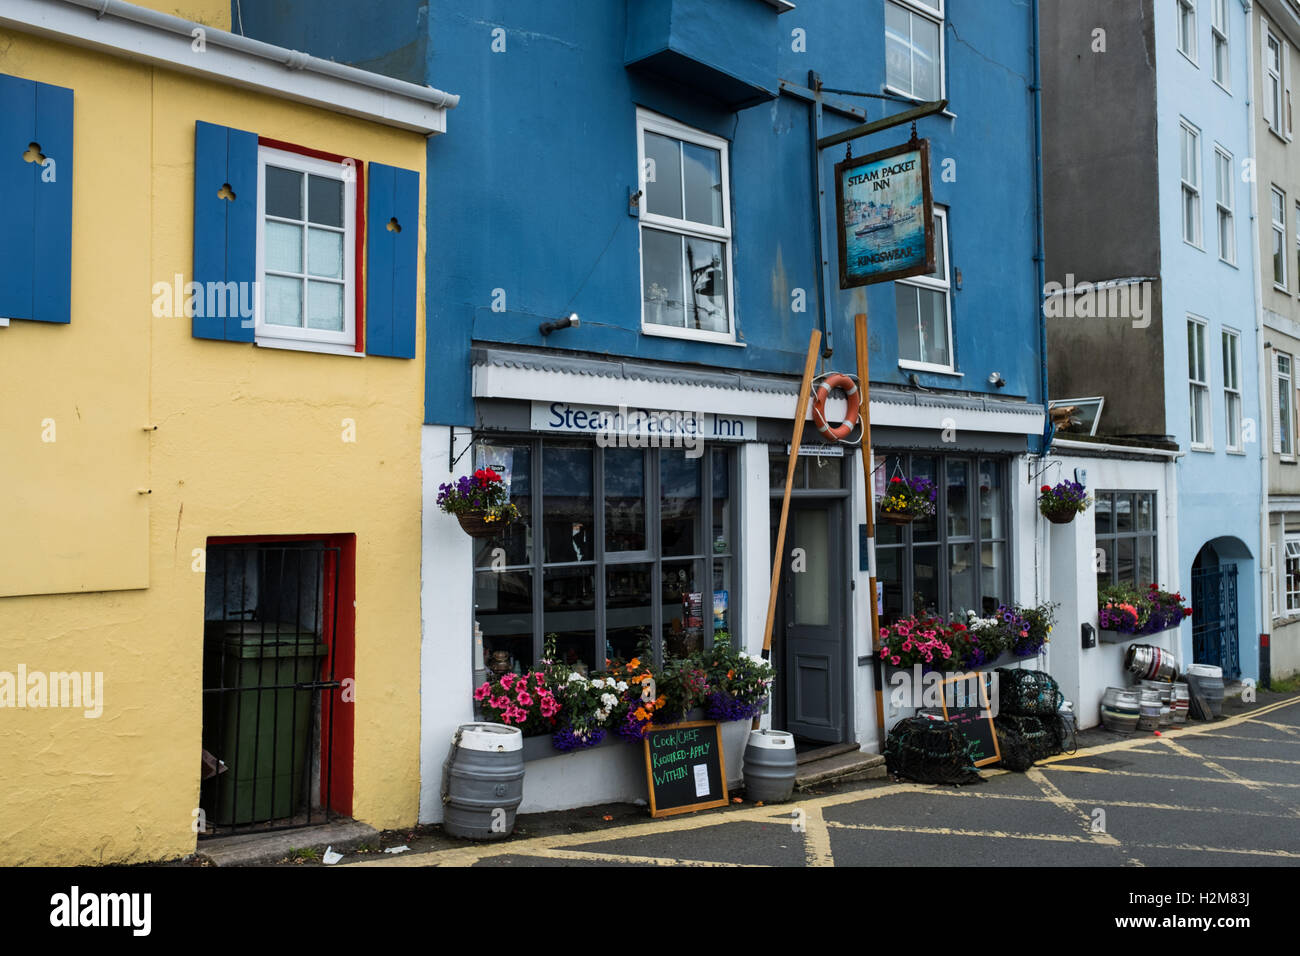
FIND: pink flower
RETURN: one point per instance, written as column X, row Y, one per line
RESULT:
column 483, row 692
column 500, row 703
column 894, row 660
column 507, row 680
column 884, row 652
column 525, row 698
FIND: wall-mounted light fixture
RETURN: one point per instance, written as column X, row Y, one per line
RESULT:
column 997, row 381
column 570, row 321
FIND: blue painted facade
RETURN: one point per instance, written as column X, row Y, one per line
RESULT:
column 1219, row 492
column 529, row 199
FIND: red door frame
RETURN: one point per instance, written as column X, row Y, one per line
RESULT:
column 340, row 636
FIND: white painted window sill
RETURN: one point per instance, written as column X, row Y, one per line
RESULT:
column 295, row 345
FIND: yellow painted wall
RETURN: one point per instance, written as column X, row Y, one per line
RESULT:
column 249, row 441
column 212, row 13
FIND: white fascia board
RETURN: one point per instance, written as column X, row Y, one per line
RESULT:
column 537, row 385
column 161, row 40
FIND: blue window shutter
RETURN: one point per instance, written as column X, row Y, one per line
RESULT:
column 225, row 230
column 391, row 258
column 36, row 200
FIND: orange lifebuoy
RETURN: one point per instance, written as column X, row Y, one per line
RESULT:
column 822, row 391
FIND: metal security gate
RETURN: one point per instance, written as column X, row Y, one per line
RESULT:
column 270, row 616
column 1214, row 618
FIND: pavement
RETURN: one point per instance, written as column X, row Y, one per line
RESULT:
column 1224, row 793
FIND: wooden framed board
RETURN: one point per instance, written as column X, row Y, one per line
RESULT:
column 685, row 768
column 975, row 721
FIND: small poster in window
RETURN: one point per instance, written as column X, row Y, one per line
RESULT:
column 720, row 610
column 693, row 608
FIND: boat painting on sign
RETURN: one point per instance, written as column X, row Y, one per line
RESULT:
column 884, row 215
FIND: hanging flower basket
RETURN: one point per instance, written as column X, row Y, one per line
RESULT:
column 1061, row 503
column 905, row 500
column 893, row 517
column 480, row 502
column 480, row 524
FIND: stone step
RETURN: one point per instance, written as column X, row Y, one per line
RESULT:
column 820, row 753
column 841, row 768
column 251, row 849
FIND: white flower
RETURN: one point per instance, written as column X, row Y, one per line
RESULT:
column 621, row 686
column 578, row 677
column 609, row 700
column 598, row 683
column 602, row 715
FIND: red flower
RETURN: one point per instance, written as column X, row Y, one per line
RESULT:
column 895, row 479
column 1152, row 587
column 1187, row 612
column 1045, row 488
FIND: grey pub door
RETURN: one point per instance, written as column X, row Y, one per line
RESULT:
column 808, row 647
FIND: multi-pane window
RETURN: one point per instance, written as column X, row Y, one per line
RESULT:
column 1190, row 141
column 914, row 48
column 1219, row 38
column 1232, row 388
column 1283, row 406
column 1292, row 575
column 1125, row 524
column 1198, row 376
column 1187, row 28
column 924, row 309
column 685, row 231
column 1277, row 88
column 616, row 550
column 957, row 560
column 306, row 249
column 1223, row 203
column 1277, row 206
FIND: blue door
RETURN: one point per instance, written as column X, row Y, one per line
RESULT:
column 1214, row 618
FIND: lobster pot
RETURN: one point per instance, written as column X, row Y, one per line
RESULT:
column 485, row 782
column 1148, row 709
column 1150, row 662
column 770, row 764
column 1207, row 680
column 1120, row 710
column 1178, row 703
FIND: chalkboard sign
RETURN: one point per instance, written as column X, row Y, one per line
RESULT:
column 972, row 717
column 684, row 768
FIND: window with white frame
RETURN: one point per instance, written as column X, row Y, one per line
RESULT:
column 1273, row 579
column 1219, row 40
column 1277, row 83
column 914, row 48
column 686, row 281
column 1283, row 414
column 1223, row 203
column 1198, row 377
column 1190, row 138
column 1232, row 388
column 306, row 244
column 1292, row 574
column 1187, row 29
column 1277, row 205
column 924, row 309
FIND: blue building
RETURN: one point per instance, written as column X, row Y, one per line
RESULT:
column 652, row 167
column 1164, row 208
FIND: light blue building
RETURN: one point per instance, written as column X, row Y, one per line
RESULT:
column 651, row 166
column 1156, row 192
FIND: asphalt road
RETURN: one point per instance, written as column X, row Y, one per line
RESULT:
column 1216, row 794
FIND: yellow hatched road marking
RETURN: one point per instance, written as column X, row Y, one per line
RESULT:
column 1056, row 797
column 817, row 839
column 1166, row 776
column 952, row 831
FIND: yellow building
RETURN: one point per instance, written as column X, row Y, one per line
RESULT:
column 211, row 393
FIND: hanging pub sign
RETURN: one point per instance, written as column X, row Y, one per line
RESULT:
column 885, row 215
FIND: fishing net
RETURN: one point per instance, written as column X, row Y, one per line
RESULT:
column 1024, row 693
column 1023, row 741
column 930, row 751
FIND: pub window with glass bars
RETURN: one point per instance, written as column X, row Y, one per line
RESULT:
column 1126, row 537
column 956, row 560
column 616, row 549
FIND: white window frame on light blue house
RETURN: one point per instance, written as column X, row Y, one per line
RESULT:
column 1230, row 341
column 1190, row 193
column 1225, row 219
column 1220, row 46
column 931, row 11
column 1186, row 21
column 1198, row 381
column 938, row 286
column 649, row 122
